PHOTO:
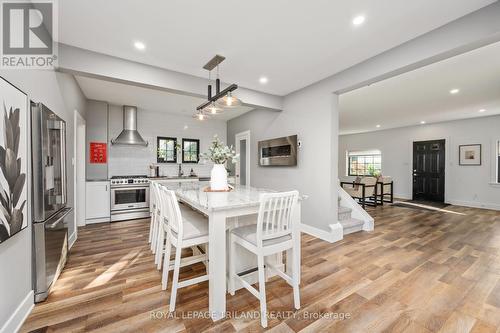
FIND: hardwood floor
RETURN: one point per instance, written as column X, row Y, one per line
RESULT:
column 419, row 271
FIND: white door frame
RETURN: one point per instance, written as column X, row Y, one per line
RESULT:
column 79, row 160
column 237, row 138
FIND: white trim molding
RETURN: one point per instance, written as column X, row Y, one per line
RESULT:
column 18, row 317
column 328, row 236
column 72, row 240
column 357, row 211
column 481, row 205
column 238, row 137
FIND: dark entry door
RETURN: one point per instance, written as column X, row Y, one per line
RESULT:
column 428, row 170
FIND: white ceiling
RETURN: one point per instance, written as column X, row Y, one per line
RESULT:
column 424, row 94
column 148, row 99
column 293, row 43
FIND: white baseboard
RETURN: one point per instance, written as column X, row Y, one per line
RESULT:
column 474, row 204
column 22, row 312
column 319, row 233
column 402, row 196
column 98, row 220
column 72, row 240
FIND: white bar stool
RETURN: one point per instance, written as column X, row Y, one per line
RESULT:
column 273, row 233
column 182, row 230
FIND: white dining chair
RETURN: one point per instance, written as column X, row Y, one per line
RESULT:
column 182, row 228
column 273, row 233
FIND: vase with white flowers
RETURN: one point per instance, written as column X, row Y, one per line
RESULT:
column 219, row 154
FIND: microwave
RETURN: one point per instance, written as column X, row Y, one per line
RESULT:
column 279, row 151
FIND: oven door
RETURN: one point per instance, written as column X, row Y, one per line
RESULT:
column 129, row 197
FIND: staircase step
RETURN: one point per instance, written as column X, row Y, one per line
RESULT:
column 351, row 225
column 344, row 213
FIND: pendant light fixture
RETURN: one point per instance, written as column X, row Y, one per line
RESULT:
column 213, row 109
column 222, row 99
column 200, row 115
column 229, row 101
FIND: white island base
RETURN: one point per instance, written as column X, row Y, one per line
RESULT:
column 226, row 210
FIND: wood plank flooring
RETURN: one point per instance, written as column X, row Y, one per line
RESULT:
column 419, row 271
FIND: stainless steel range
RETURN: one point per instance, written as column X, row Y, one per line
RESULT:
column 129, row 197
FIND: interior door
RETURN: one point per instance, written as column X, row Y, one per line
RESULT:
column 242, row 168
column 429, row 170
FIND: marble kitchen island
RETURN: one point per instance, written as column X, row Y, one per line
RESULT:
column 225, row 210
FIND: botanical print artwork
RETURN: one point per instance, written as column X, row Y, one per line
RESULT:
column 13, row 159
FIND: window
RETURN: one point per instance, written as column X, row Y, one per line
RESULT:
column 364, row 163
column 167, row 150
column 190, row 150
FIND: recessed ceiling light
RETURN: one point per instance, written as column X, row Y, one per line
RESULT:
column 140, row 46
column 422, row 122
column 454, row 91
column 263, row 80
column 358, row 20
column 482, row 110
column 378, row 126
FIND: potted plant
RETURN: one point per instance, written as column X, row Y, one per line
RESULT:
column 219, row 154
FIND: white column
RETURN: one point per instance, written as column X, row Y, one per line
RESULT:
column 335, row 226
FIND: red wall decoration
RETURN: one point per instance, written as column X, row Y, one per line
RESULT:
column 98, row 153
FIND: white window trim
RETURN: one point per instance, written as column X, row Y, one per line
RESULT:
column 350, row 153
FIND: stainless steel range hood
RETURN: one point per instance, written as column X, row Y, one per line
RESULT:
column 129, row 135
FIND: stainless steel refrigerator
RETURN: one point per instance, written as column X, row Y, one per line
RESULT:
column 49, row 210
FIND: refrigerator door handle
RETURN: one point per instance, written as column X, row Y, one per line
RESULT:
column 60, row 217
column 63, row 162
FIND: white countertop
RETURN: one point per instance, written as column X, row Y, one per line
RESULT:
column 193, row 194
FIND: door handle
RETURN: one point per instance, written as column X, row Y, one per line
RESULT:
column 59, row 218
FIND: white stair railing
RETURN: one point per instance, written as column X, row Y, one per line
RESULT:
column 357, row 211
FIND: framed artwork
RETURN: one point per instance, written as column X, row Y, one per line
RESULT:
column 469, row 154
column 98, row 152
column 13, row 160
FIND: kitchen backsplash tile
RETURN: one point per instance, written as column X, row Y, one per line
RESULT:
column 131, row 160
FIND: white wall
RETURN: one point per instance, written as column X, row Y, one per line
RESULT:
column 134, row 160
column 464, row 185
column 96, row 130
column 309, row 114
column 62, row 95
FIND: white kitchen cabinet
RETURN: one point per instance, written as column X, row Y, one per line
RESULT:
column 98, row 198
